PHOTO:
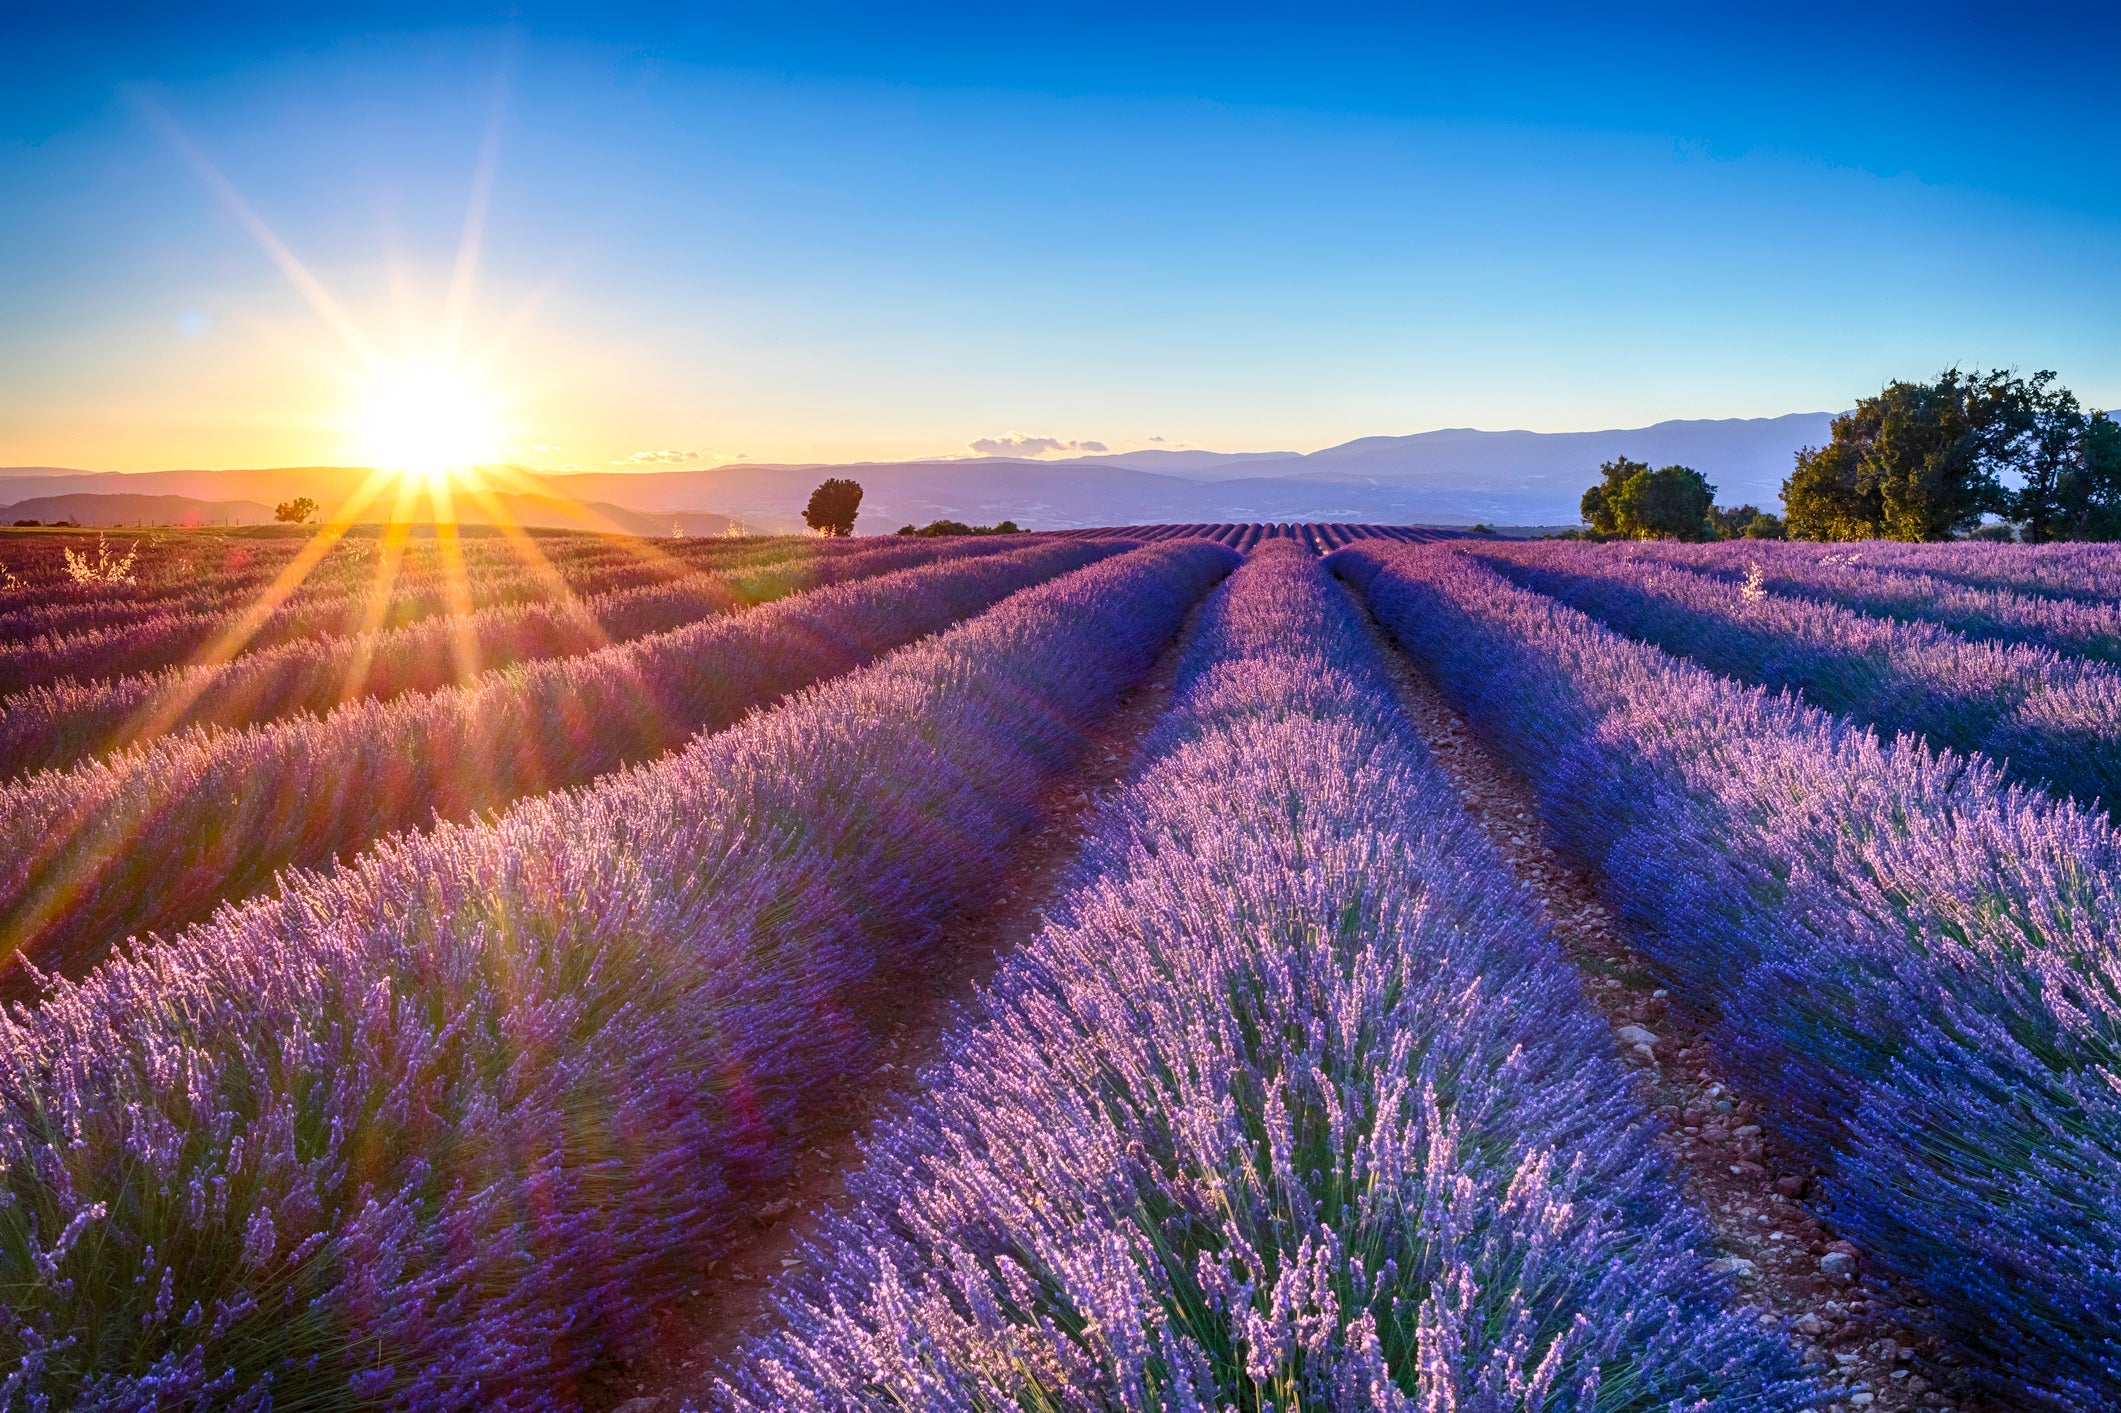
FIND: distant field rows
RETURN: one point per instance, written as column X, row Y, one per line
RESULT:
column 193, row 570
column 1912, row 962
column 534, row 1065
column 54, row 726
column 2090, row 572
column 1244, row 536
column 372, row 597
column 2071, row 626
column 155, row 837
column 2051, row 720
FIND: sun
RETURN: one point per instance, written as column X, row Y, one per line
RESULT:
column 425, row 419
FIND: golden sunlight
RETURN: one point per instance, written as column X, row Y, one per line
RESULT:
column 426, row 418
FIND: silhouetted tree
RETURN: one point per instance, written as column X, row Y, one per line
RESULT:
column 833, row 506
column 936, row 528
column 294, row 512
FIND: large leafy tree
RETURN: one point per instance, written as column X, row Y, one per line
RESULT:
column 1599, row 509
column 1823, row 498
column 2067, row 460
column 2088, row 491
column 1746, row 522
column 1670, row 503
column 1917, row 462
column 833, row 506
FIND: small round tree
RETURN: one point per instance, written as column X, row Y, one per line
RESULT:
column 294, row 512
column 1670, row 503
column 832, row 507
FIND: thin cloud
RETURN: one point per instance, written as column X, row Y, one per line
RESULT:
column 1018, row 444
column 662, row 458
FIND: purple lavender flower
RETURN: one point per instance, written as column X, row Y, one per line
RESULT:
column 1917, row 964
column 156, row 837
column 435, row 1131
column 1293, row 1104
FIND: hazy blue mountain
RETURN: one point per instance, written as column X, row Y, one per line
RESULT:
column 1745, row 458
column 1192, row 465
column 124, row 508
column 1455, row 476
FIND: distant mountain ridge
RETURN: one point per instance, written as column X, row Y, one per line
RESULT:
column 1452, row 476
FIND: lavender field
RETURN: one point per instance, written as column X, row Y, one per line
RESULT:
column 1214, row 966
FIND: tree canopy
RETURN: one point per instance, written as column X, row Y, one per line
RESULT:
column 1747, row 522
column 1927, row 461
column 833, row 506
column 958, row 527
column 294, row 512
column 1670, row 503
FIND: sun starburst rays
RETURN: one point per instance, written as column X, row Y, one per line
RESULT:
column 430, row 425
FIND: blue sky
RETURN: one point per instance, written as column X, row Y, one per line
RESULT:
column 825, row 232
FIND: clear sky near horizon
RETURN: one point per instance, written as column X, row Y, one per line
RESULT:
column 827, row 232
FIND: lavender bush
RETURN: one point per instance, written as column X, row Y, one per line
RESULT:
column 1912, row 961
column 154, row 837
column 1294, row 1104
column 438, row 1130
column 2049, row 720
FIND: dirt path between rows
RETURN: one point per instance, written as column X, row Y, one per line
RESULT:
column 1868, row 1339
column 913, row 1008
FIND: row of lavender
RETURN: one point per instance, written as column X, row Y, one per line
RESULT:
column 439, row 1130
column 53, row 726
column 377, row 593
column 180, row 573
column 2058, row 570
column 1911, row 960
column 1294, row 1104
column 1318, row 538
column 155, row 836
column 2079, row 626
column 2051, row 719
